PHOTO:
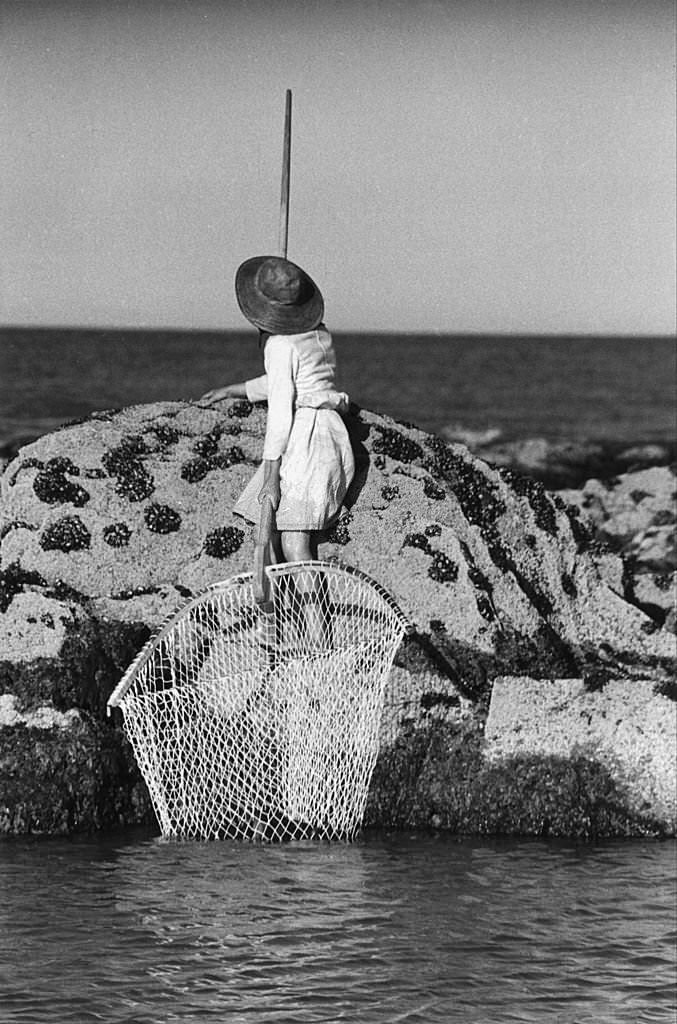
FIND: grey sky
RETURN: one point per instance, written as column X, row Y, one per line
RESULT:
column 457, row 166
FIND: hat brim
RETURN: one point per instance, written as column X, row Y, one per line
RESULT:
column 275, row 317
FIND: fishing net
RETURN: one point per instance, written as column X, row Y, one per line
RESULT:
column 257, row 722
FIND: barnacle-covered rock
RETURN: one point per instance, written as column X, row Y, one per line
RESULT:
column 634, row 515
column 161, row 518
column 396, row 444
column 240, row 408
column 63, row 772
column 223, row 542
column 66, row 534
column 628, row 728
column 117, row 535
column 196, row 469
column 207, row 444
column 497, row 575
column 442, row 568
column 53, row 486
column 165, row 433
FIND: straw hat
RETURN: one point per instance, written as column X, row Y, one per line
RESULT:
column 277, row 296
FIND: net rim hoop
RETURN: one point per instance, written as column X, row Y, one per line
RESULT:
column 219, row 586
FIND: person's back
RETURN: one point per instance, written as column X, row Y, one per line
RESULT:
column 316, row 361
column 312, row 365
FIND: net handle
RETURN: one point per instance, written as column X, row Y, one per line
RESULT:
column 264, row 555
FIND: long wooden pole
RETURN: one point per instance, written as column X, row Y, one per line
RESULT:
column 264, row 554
column 286, row 173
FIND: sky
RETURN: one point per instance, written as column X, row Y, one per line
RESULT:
column 496, row 166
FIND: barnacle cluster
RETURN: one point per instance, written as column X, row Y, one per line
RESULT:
column 541, row 504
column 207, row 444
column 66, row 534
column 484, row 605
column 477, row 495
column 395, row 444
column 339, row 533
column 62, row 591
column 30, row 463
column 196, row 469
column 224, row 541
column 52, row 486
column 15, row 524
column 241, row 408
column 124, row 595
column 483, row 588
column 435, row 699
column 388, row 492
column 581, row 533
column 133, row 481
column 482, row 506
column 432, row 489
column 117, row 535
column 231, row 456
column 166, row 434
column 417, row 540
column 161, row 518
column 442, row 569
column 13, row 579
column 568, row 585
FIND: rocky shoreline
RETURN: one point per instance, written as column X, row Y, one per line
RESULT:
column 107, row 525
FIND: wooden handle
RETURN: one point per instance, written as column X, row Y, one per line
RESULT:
column 264, row 556
column 286, row 173
column 267, row 521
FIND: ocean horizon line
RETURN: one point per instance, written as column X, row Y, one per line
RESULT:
column 376, row 333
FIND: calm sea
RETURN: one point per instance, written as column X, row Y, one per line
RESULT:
column 133, row 930
column 557, row 388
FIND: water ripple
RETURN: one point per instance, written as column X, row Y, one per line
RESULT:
column 392, row 929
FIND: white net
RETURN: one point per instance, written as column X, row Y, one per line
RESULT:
column 263, row 724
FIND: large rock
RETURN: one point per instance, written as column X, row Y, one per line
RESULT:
column 627, row 727
column 559, row 464
column 635, row 514
column 108, row 524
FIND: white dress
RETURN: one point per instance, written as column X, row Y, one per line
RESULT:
column 304, row 429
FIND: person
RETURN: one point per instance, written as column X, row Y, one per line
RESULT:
column 307, row 463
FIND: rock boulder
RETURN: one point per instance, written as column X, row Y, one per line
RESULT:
column 108, row 524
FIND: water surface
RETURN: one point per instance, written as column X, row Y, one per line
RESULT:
column 557, row 388
column 393, row 928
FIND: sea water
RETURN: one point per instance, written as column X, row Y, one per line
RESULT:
column 556, row 388
column 390, row 929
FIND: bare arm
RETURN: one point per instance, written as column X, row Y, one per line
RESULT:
column 271, row 482
column 229, row 391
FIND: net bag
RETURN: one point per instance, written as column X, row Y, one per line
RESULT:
column 253, row 722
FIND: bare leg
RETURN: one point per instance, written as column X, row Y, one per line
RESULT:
column 301, row 546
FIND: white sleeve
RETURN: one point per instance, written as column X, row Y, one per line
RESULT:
column 280, row 366
column 257, row 388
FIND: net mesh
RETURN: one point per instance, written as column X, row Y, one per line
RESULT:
column 262, row 723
